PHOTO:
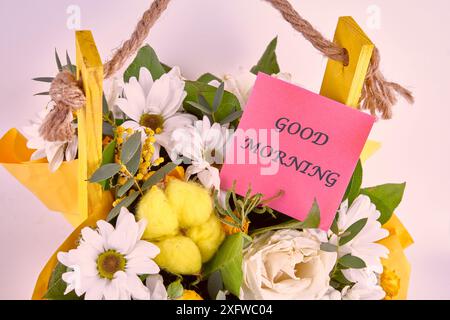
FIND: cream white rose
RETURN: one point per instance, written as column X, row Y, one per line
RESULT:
column 286, row 265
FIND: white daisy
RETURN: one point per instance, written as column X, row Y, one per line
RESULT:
column 113, row 91
column 205, row 145
column 241, row 84
column 366, row 285
column 55, row 152
column 108, row 261
column 155, row 105
column 363, row 245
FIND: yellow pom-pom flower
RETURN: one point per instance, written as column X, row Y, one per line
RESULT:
column 182, row 223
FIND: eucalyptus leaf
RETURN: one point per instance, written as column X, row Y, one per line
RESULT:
column 218, row 97
column 352, row 231
column 351, row 262
column 125, row 203
column 195, row 89
column 105, row 172
column 386, row 198
column 208, row 77
column 159, row 175
column 328, row 247
column 199, row 107
column 130, row 147
column 354, row 185
column 124, row 188
column 146, row 58
column 228, row 260
column 57, row 285
column 108, row 157
column 268, row 62
column 175, row 290
column 133, row 164
column 232, row 117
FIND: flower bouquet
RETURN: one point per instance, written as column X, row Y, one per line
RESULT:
column 166, row 228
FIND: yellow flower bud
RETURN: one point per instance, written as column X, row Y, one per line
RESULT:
column 139, row 176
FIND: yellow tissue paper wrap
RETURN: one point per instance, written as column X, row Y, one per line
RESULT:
column 58, row 191
column 396, row 268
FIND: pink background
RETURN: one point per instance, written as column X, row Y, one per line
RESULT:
column 221, row 36
column 347, row 129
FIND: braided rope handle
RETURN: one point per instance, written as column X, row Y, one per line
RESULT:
column 378, row 95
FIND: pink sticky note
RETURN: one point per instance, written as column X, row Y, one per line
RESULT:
column 297, row 141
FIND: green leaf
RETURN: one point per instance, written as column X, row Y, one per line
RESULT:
column 208, row 77
column 46, row 93
column 228, row 260
column 146, row 58
column 352, row 231
column 105, row 172
column 158, row 175
column 130, row 147
column 312, row 221
column 44, row 79
column 328, row 247
column 175, row 290
column 195, row 89
column 199, row 107
column 386, row 198
column 218, row 97
column 133, row 164
column 268, row 62
column 108, row 157
column 124, row 189
column 58, row 61
column 215, row 284
column 232, row 117
column 71, row 67
column 339, row 277
column 351, row 262
column 128, row 201
column 354, row 185
column 57, row 286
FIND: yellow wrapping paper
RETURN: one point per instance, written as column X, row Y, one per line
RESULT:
column 58, row 191
column 396, row 266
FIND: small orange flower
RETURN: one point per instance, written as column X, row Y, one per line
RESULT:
column 229, row 230
column 190, row 295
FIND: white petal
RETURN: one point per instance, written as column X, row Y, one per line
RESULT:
column 137, row 288
column 96, row 291
column 127, row 108
column 71, row 149
column 156, row 287
column 146, row 81
column 93, row 238
column 178, row 120
column 123, row 238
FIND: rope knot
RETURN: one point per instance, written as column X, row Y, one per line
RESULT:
column 68, row 97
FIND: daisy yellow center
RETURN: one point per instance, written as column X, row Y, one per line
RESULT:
column 390, row 282
column 152, row 121
column 110, row 262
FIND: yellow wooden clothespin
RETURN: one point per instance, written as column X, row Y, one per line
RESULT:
column 344, row 83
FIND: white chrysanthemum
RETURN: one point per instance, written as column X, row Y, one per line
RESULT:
column 55, row 152
column 363, row 245
column 241, row 84
column 204, row 144
column 155, row 105
column 113, row 91
column 155, row 285
column 108, row 261
column 366, row 285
